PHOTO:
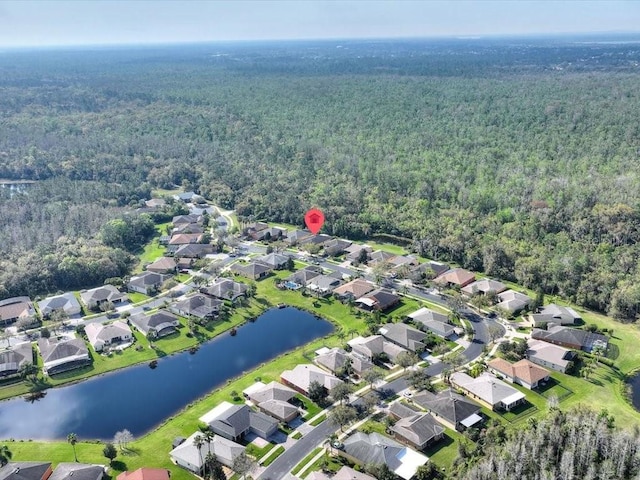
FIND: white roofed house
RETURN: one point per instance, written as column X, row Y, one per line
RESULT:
column 67, row 303
column 188, row 456
column 302, row 375
column 96, row 297
column 147, row 283
column 556, row 314
column 63, row 355
column 488, row 390
column 512, row 301
column 434, row 322
column 106, row 335
column 273, row 399
column 550, row 356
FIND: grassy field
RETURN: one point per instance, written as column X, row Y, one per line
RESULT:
column 306, row 460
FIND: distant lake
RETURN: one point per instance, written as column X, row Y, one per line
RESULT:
column 634, row 382
column 140, row 398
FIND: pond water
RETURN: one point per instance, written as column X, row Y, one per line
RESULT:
column 139, row 398
column 634, row 383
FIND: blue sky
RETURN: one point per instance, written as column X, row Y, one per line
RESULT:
column 78, row 22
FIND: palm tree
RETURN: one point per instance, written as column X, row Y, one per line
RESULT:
column 198, row 442
column 5, row 455
column 72, row 438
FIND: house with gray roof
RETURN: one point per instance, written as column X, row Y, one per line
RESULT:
column 269, row 234
column 193, row 250
column 450, row 408
column 550, row 356
column 348, row 473
column 233, row 422
column 434, row 322
column 428, row 271
column 105, row 335
column 336, row 246
column 557, row 314
column 225, row 289
column 16, row 308
column 188, row 456
column 304, row 276
column 571, row 338
column 96, row 297
column 512, row 301
column 374, row 345
column 418, row 429
column 404, row 336
column 155, row 325
column 297, row 237
column 300, row 377
column 187, row 228
column 78, row 471
column 276, row 261
column 376, row 449
column 355, row 251
column 483, row 287
column 62, row 355
column 187, row 197
column 323, row 285
column 336, row 359
column 67, row 303
column 199, row 306
column 147, row 283
column 26, row 471
column 273, row 399
column 488, row 390
column 164, row 265
column 251, row 270
column 380, row 256
column 14, row 358
column 186, row 219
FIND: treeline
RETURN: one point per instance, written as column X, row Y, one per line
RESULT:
column 580, row 444
column 522, row 163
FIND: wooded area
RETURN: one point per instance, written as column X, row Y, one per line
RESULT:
column 516, row 159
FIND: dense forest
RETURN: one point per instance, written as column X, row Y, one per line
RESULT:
column 519, row 158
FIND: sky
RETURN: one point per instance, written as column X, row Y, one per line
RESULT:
column 99, row 22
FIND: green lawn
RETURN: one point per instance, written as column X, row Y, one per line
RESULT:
column 329, row 463
column 444, row 452
column 305, row 460
column 318, row 420
column 136, row 297
column 311, row 408
column 259, row 452
column 278, row 451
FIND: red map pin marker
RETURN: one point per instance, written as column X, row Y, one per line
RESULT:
column 314, row 219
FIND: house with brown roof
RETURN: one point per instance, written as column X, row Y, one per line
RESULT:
column 524, row 372
column 483, row 287
column 354, row 289
column 379, row 300
column 145, row 473
column 302, row 375
column 162, row 265
column 186, row 238
column 16, row 308
column 456, row 277
column 193, row 250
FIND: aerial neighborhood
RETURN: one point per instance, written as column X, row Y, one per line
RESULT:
column 423, row 355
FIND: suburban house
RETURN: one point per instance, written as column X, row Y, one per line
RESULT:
column 434, row 322
column 62, row 355
column 336, row 246
column 551, row 356
column 335, row 360
column 147, row 283
column 193, row 250
column 15, row 357
column 345, row 473
column 483, row 287
column 376, row 449
column 200, row 306
column 186, row 219
column 165, row 265
column 16, row 308
column 225, row 289
column 427, row 270
column 354, row 289
column 26, row 471
column 571, row 338
column 297, row 237
column 233, row 422
column 380, row 256
column 300, row 278
column 418, row 429
column 488, row 390
column 273, row 399
column 302, row 375
column 187, row 197
column 323, row 285
column 320, row 239
column 374, row 345
column 186, row 238
column 513, row 301
column 184, row 263
column 104, row 335
column 557, row 314
column 251, row 270
column 78, row 471
column 276, row 261
column 450, row 408
column 402, row 261
column 155, row 325
column 457, row 277
column 354, row 252
column 524, row 372
column 145, row 473
column 379, row 300
column 404, row 336
column 67, row 303
column 96, row 297
column 155, row 203
column 269, row 234
column 188, row 456
column 187, row 228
